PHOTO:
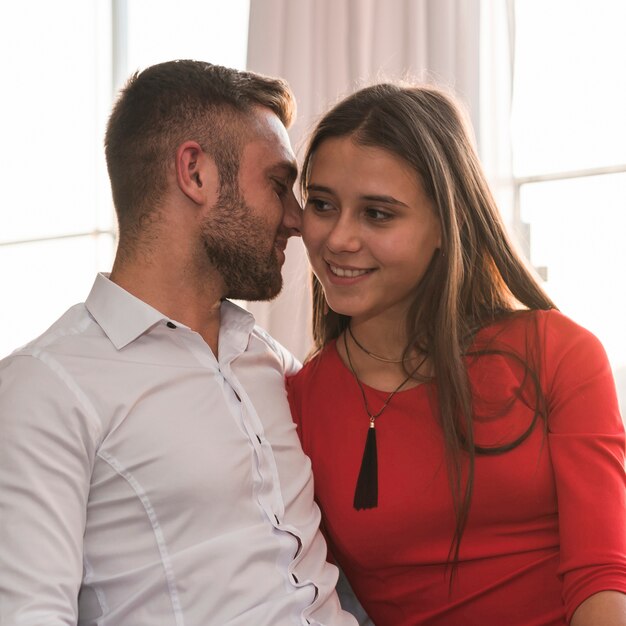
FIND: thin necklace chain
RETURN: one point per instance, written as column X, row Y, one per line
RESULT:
column 375, row 356
column 374, row 416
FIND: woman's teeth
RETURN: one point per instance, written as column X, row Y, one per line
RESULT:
column 346, row 273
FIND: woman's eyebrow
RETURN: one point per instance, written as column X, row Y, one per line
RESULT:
column 368, row 197
column 385, row 199
column 319, row 188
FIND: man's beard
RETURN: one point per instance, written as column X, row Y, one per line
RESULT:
column 234, row 243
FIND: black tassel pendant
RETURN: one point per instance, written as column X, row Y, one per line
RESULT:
column 366, row 493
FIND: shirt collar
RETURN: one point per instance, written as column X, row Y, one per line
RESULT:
column 122, row 316
column 236, row 324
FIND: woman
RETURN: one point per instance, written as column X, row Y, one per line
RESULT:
column 465, row 436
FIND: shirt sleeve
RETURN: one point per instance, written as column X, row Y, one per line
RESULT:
column 47, row 446
column 292, row 394
column 289, row 363
column 586, row 441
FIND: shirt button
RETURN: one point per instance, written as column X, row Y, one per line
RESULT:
column 171, row 325
column 295, row 578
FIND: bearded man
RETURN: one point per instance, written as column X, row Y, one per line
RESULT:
column 150, row 472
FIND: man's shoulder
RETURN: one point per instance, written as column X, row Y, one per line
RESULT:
column 289, row 363
column 67, row 329
column 43, row 359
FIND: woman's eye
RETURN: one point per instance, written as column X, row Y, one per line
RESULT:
column 319, row 205
column 377, row 215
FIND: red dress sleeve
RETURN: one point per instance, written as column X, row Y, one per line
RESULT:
column 586, row 444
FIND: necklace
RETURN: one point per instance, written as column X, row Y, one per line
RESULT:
column 375, row 356
column 366, row 492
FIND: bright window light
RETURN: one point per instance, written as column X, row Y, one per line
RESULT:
column 56, row 60
column 205, row 30
column 570, row 85
column 569, row 156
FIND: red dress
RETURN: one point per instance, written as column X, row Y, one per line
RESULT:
column 547, row 524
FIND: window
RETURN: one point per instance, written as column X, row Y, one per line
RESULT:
column 569, row 160
column 60, row 63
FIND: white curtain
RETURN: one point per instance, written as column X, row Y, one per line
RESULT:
column 326, row 49
column 497, row 45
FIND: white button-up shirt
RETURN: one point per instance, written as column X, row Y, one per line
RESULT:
column 143, row 482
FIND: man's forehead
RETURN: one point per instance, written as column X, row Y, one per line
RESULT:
column 267, row 125
column 270, row 158
column 267, row 137
column 286, row 169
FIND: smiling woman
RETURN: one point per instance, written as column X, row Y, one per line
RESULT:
column 370, row 230
column 449, row 407
column 52, row 241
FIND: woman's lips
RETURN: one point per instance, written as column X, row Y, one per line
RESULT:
column 346, row 275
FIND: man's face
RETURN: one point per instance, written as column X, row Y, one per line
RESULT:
column 245, row 233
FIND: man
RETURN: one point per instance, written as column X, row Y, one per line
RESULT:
column 150, row 473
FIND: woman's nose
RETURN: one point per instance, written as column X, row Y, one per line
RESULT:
column 344, row 236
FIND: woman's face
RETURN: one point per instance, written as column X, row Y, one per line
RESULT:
column 369, row 229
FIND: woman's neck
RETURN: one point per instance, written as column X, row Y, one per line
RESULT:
column 378, row 352
column 380, row 340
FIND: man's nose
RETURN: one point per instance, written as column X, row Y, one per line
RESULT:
column 292, row 219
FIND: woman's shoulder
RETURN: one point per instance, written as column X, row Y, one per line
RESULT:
column 551, row 328
column 546, row 337
column 323, row 363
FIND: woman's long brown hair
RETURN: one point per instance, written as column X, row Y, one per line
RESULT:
column 473, row 280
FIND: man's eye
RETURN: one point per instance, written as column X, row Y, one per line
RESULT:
column 280, row 187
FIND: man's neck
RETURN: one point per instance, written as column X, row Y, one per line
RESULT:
column 175, row 293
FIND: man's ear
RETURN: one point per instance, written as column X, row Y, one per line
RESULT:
column 196, row 173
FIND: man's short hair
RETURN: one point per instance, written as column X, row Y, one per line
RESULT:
column 173, row 102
